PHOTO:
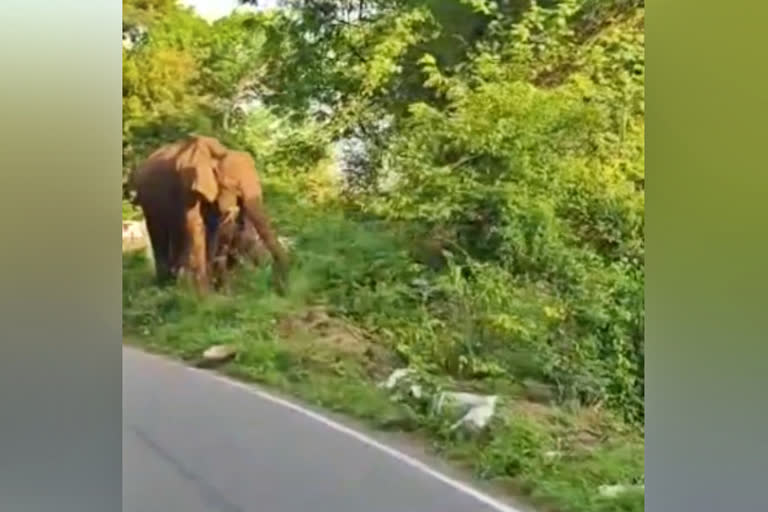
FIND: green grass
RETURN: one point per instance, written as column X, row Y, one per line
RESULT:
column 371, row 319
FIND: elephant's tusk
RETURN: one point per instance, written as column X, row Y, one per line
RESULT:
column 230, row 214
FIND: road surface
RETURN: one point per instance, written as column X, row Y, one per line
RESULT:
column 197, row 442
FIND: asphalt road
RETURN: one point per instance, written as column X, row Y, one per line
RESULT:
column 196, row 442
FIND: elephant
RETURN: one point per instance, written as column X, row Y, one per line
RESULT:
column 181, row 184
column 230, row 243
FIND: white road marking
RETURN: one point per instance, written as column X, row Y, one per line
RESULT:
column 402, row 457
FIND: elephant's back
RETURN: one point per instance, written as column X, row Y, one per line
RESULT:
column 156, row 180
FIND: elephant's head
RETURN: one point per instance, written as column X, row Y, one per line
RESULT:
column 228, row 179
column 237, row 178
column 197, row 161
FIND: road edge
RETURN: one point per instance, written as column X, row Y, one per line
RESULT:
column 346, row 425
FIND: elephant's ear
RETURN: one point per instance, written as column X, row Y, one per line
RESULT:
column 205, row 182
column 197, row 164
column 216, row 148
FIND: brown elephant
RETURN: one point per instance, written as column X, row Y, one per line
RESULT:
column 230, row 242
column 180, row 183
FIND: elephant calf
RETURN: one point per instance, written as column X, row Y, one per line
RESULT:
column 231, row 239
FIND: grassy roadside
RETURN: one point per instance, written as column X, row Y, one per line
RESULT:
column 340, row 331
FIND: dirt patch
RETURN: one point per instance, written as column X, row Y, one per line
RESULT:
column 533, row 410
column 578, row 431
column 326, row 339
column 592, row 427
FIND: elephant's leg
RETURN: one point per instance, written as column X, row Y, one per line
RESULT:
column 216, row 261
column 179, row 241
column 251, row 247
column 235, row 251
column 212, row 219
column 226, row 236
column 229, row 217
column 160, row 241
column 198, row 262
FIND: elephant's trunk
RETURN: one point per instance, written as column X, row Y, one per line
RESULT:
column 254, row 209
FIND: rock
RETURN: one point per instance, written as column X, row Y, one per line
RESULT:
column 136, row 238
column 134, row 235
column 218, row 354
column 613, row 491
column 478, row 409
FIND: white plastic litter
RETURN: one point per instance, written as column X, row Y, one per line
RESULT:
column 479, row 408
column 395, row 377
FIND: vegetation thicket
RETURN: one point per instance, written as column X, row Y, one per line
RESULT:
column 463, row 185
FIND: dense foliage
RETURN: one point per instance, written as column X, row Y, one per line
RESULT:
column 499, row 145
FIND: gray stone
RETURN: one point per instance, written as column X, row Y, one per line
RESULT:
column 219, row 354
